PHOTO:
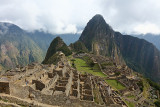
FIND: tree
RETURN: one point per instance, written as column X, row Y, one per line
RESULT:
column 117, row 73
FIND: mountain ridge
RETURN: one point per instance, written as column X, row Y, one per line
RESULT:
column 33, row 45
column 16, row 47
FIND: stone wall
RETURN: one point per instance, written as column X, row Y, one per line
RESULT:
column 64, row 71
column 17, row 101
column 19, row 91
column 68, row 86
column 4, row 87
column 61, row 100
column 39, row 85
column 49, row 99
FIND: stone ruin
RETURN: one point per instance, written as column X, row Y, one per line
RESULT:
column 58, row 85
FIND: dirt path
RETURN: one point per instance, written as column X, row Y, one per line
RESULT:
column 8, row 104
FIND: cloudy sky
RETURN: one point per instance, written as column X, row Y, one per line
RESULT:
column 71, row 16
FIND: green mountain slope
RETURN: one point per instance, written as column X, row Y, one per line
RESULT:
column 78, row 46
column 16, row 48
column 22, row 47
column 139, row 55
column 56, row 45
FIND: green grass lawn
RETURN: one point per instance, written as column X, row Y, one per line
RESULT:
column 113, row 84
column 131, row 96
column 145, row 88
column 130, row 104
column 83, row 67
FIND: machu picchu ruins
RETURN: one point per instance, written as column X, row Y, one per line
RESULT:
column 50, row 56
column 41, row 85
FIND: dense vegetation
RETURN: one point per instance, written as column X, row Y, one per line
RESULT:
column 65, row 50
column 88, row 61
column 54, row 59
column 78, row 47
column 56, row 45
column 157, row 103
column 154, row 84
column 104, row 64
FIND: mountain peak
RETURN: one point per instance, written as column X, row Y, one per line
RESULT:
column 56, row 45
column 98, row 17
column 96, row 29
column 58, row 38
column 5, row 27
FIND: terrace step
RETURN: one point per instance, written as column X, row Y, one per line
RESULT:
column 21, row 101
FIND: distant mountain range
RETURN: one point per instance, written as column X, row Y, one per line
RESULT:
column 16, row 47
column 19, row 47
column 153, row 38
column 139, row 54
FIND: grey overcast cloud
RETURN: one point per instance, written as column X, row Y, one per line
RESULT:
column 71, row 16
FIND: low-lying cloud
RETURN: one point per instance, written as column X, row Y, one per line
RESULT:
column 71, row 16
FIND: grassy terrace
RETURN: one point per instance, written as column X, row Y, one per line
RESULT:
column 83, row 67
column 115, row 84
column 130, row 104
column 146, row 86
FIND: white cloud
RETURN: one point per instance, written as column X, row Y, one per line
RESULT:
column 70, row 29
column 147, row 28
column 64, row 16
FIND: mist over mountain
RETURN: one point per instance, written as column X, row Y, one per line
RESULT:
column 19, row 47
column 79, row 53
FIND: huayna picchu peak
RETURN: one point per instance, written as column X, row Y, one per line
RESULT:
column 96, row 30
